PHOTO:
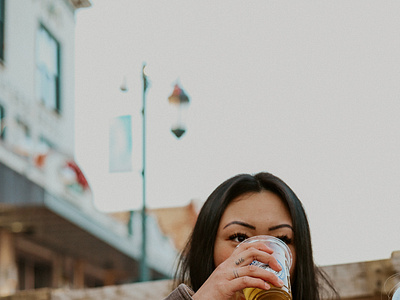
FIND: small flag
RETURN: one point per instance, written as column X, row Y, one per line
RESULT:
column 120, row 144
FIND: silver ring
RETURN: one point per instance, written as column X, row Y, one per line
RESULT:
column 235, row 273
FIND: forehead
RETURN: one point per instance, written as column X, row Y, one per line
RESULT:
column 264, row 207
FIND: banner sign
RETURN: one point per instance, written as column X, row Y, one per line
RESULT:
column 120, row 144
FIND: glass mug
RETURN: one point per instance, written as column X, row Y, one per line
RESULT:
column 283, row 255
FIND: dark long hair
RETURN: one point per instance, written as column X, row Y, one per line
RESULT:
column 197, row 259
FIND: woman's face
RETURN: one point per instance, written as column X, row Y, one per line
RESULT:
column 249, row 215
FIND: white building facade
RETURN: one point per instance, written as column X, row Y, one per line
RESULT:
column 37, row 74
column 50, row 233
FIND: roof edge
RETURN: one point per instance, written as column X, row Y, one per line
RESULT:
column 80, row 3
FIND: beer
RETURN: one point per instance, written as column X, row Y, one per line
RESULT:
column 272, row 294
column 284, row 257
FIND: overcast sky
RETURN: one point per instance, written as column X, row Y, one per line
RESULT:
column 309, row 91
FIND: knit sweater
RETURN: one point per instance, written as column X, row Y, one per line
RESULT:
column 182, row 292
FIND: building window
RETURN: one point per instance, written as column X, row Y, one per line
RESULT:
column 2, row 21
column 48, row 69
column 2, row 123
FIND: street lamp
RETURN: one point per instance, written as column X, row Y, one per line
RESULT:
column 180, row 101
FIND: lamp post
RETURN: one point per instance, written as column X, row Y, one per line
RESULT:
column 180, row 101
column 144, row 270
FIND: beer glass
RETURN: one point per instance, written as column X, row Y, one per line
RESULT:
column 283, row 255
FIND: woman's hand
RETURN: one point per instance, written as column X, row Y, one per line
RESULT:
column 236, row 273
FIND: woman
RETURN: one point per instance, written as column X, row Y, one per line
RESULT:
column 213, row 267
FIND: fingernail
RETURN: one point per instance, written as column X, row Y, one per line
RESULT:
column 280, row 282
column 267, row 286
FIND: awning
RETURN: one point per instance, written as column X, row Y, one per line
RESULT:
column 28, row 210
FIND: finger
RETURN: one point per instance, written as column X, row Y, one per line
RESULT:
column 241, row 254
column 268, row 260
column 251, row 254
column 257, row 245
column 235, row 273
column 247, row 282
column 240, row 260
column 256, row 272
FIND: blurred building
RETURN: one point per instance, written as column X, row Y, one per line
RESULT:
column 50, row 233
column 176, row 223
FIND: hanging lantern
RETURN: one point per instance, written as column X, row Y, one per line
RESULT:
column 179, row 101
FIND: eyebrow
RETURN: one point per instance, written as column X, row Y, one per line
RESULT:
column 241, row 223
column 280, row 226
column 253, row 227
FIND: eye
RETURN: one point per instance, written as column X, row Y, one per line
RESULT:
column 285, row 239
column 238, row 237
